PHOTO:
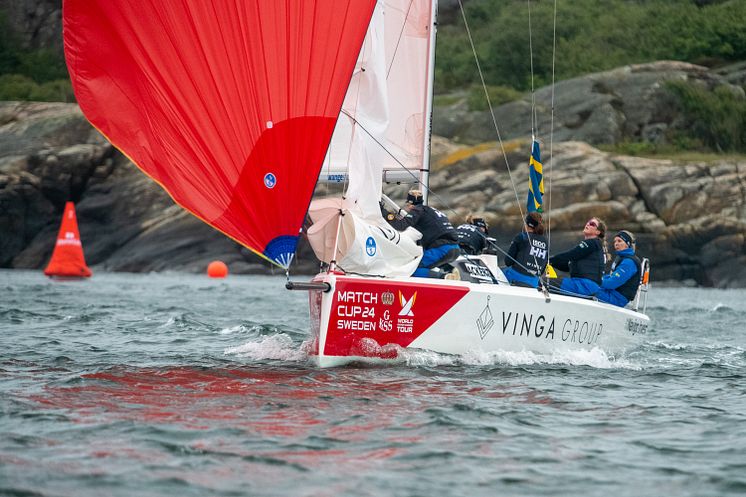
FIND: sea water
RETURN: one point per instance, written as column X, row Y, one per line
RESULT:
column 175, row 384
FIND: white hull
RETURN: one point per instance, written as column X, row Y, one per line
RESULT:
column 373, row 318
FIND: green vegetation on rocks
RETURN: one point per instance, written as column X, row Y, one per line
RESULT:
column 592, row 36
column 27, row 74
column 716, row 119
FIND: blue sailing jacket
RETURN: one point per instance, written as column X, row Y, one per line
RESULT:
column 619, row 286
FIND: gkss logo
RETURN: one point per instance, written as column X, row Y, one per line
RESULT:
column 270, row 180
column 370, row 246
column 385, row 323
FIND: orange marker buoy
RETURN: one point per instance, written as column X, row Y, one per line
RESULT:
column 67, row 260
column 217, row 269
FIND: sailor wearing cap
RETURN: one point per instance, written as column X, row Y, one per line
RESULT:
column 620, row 285
column 439, row 239
column 528, row 254
column 472, row 236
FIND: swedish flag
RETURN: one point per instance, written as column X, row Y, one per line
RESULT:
column 535, row 180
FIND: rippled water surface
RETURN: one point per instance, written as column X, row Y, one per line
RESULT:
column 158, row 384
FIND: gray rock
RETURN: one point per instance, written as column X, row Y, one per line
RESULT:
column 690, row 217
column 37, row 23
column 625, row 104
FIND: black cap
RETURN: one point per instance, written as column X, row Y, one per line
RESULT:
column 627, row 237
column 414, row 197
column 531, row 222
column 479, row 223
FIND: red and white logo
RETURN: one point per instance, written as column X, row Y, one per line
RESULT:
column 406, row 305
column 360, row 313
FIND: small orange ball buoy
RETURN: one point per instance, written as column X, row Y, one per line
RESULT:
column 217, row 269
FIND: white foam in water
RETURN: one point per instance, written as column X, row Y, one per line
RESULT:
column 171, row 320
column 668, row 346
column 595, row 358
column 234, row 329
column 426, row 358
column 279, row 347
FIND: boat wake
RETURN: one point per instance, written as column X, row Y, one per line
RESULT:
column 595, row 358
column 274, row 347
column 282, row 347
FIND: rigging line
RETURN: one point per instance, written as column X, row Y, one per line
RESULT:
column 534, row 121
column 363, row 61
column 492, row 112
column 551, row 129
column 508, row 256
column 534, row 116
column 555, row 290
column 417, row 180
column 345, row 182
column 494, row 119
column 398, row 39
column 443, row 202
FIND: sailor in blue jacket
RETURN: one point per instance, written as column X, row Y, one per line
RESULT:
column 620, row 285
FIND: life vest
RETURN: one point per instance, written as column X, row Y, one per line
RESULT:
column 470, row 239
column 592, row 266
column 629, row 288
column 532, row 255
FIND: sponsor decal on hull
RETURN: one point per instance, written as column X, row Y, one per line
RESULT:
column 540, row 325
column 551, row 328
column 485, row 321
column 636, row 326
column 384, row 312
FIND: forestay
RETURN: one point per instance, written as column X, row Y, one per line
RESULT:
column 382, row 132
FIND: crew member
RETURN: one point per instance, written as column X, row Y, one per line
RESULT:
column 528, row 253
column 620, row 285
column 585, row 262
column 439, row 239
column 472, row 236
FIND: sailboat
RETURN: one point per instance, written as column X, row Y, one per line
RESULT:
column 68, row 261
column 239, row 108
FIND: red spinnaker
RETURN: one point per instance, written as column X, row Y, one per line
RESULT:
column 228, row 104
column 67, row 259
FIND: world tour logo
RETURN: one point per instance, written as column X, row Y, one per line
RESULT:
column 407, row 305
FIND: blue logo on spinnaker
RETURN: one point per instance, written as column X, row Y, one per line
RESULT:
column 270, row 180
column 370, row 246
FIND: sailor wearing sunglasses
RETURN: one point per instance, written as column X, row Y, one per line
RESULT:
column 585, row 262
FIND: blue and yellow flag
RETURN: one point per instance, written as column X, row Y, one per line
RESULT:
column 535, row 180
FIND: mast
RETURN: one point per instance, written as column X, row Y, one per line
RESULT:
column 425, row 169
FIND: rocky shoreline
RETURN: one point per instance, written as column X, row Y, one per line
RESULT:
column 690, row 217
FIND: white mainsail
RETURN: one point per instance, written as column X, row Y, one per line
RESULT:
column 380, row 134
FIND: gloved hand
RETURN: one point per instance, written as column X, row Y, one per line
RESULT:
column 388, row 216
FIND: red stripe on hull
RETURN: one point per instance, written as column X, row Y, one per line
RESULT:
column 373, row 318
